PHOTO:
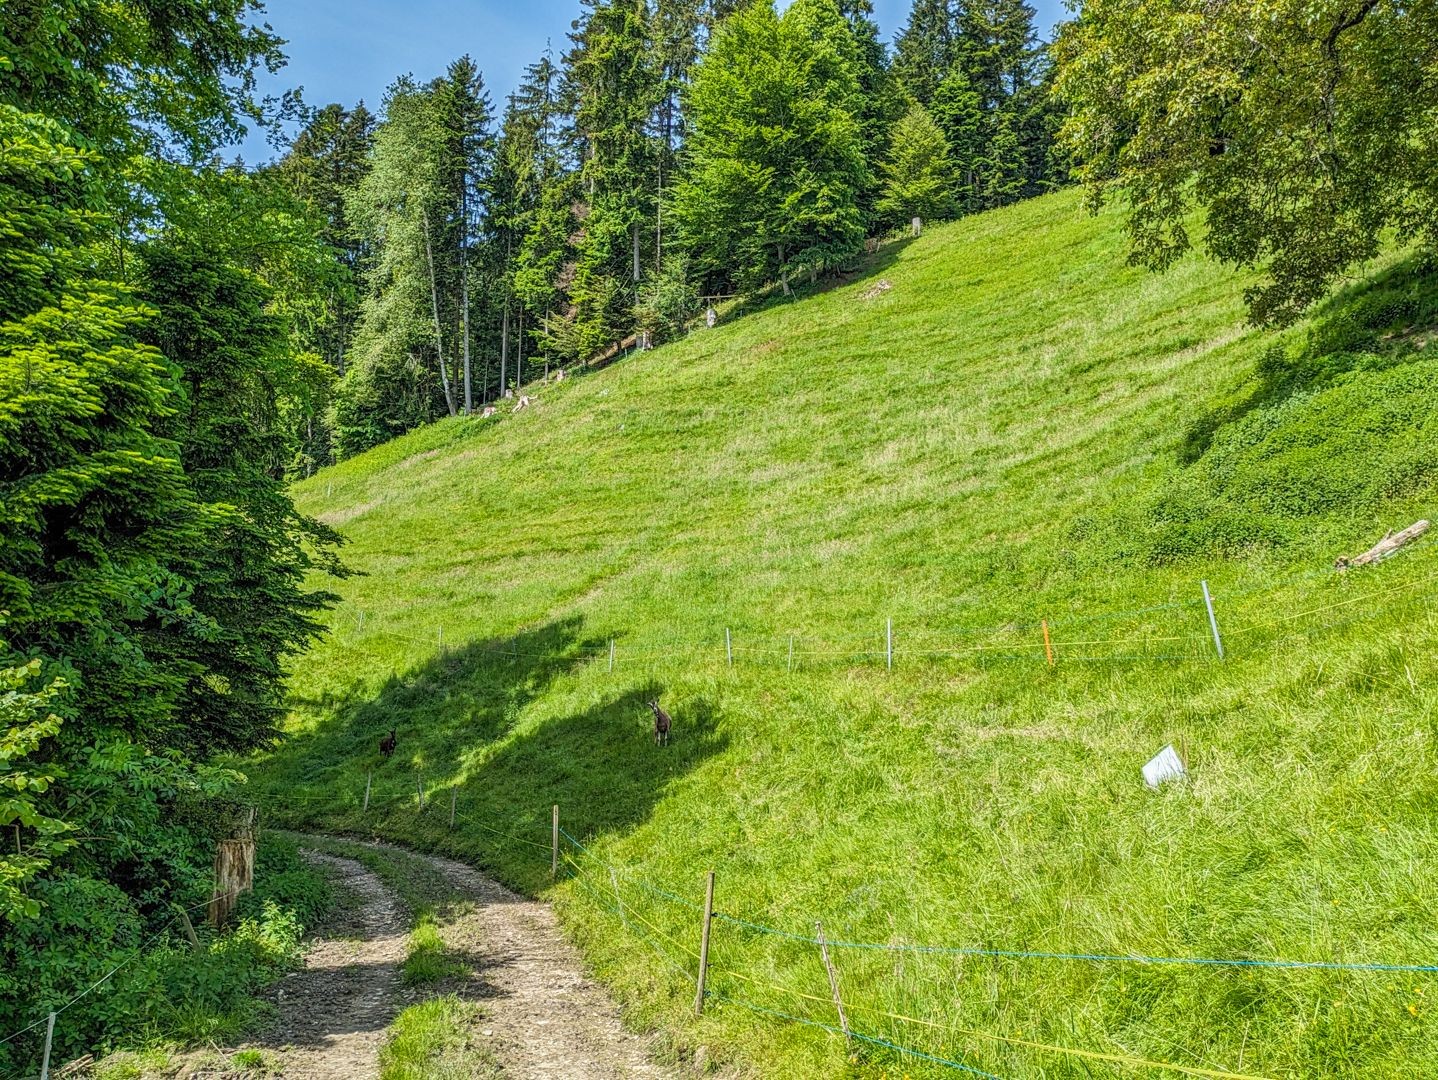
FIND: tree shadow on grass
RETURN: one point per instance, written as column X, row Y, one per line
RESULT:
column 464, row 735
column 1372, row 324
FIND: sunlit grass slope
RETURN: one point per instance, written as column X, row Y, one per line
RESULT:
column 1021, row 429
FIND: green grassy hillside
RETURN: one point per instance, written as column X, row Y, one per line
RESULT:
column 1019, row 430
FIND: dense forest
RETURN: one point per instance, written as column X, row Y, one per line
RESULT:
column 181, row 334
column 674, row 151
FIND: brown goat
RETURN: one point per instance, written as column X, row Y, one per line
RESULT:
column 662, row 724
column 387, row 744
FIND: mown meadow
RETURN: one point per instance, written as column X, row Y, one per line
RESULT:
column 1020, row 433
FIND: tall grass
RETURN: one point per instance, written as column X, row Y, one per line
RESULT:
column 1021, row 429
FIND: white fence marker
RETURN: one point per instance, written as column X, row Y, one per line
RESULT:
column 728, row 647
column 611, row 654
column 889, row 643
column 1212, row 620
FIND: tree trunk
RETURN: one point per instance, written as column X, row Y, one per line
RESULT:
column 464, row 301
column 636, row 251
column 438, row 333
column 504, row 352
column 519, row 344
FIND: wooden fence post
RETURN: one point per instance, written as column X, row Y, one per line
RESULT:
column 453, row 803
column 1212, row 620
column 1048, row 645
column 49, row 1041
column 554, row 852
column 611, row 656
column 889, row 643
column 833, row 980
column 368, row 780
column 791, row 652
column 728, row 647
column 704, row 944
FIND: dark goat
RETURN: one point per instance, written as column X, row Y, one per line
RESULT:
column 387, row 744
column 662, row 724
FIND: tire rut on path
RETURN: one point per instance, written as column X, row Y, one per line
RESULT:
column 333, row 1013
column 548, row 1018
column 543, row 1018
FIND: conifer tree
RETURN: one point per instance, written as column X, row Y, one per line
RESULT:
column 924, row 50
column 616, row 86
column 959, row 112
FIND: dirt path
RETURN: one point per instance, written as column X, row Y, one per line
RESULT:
column 332, row 1015
column 542, row 1017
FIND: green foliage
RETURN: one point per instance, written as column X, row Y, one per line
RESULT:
column 1301, row 130
column 668, row 300
column 918, row 177
column 775, row 160
column 150, row 560
column 26, row 722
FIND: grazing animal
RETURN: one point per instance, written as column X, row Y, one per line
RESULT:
column 387, row 744
column 662, row 724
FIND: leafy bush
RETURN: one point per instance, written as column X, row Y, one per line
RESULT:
column 86, row 927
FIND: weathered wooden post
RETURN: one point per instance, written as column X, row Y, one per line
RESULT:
column 704, row 944
column 728, row 647
column 791, row 652
column 1048, row 645
column 611, row 656
column 453, row 803
column 368, row 780
column 889, row 643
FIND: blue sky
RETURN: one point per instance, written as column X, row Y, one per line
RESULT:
column 350, row 50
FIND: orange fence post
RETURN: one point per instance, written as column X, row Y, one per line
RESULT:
column 1048, row 645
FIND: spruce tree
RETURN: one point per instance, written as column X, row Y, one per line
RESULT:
column 616, row 87
column 924, row 50
column 959, row 112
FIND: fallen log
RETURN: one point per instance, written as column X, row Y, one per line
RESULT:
column 1385, row 547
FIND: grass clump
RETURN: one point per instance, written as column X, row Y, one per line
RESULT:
column 435, row 1040
column 425, row 958
column 1021, row 431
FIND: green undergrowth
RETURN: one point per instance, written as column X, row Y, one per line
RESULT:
column 1021, row 437
column 168, row 996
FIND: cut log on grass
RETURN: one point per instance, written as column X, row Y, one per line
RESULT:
column 1385, row 547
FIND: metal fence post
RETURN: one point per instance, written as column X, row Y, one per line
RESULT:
column 1212, row 620
column 49, row 1041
